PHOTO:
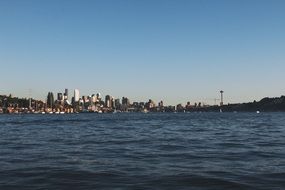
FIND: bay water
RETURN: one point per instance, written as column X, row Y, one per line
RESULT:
column 143, row 151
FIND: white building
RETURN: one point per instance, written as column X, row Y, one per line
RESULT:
column 76, row 95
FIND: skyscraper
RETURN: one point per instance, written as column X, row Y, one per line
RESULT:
column 66, row 94
column 108, row 101
column 50, row 100
column 76, row 95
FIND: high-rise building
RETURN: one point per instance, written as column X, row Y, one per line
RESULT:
column 66, row 94
column 125, row 104
column 108, row 101
column 117, row 104
column 125, row 101
column 76, row 95
column 59, row 96
column 50, row 100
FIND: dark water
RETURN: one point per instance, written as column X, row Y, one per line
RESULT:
column 143, row 151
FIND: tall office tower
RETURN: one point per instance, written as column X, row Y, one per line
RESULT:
column 50, row 100
column 108, row 101
column 76, row 95
column 66, row 94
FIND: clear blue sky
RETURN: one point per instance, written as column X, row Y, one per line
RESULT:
column 178, row 50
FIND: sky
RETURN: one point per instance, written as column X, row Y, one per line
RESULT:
column 171, row 50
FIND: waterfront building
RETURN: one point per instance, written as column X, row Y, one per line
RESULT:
column 188, row 106
column 138, row 106
column 179, row 108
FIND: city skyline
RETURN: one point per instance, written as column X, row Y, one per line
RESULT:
column 176, row 51
column 95, row 103
column 77, row 96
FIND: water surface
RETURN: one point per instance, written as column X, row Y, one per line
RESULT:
column 143, row 151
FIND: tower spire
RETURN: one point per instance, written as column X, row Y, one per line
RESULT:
column 222, row 98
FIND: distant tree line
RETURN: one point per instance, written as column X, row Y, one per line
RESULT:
column 265, row 104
